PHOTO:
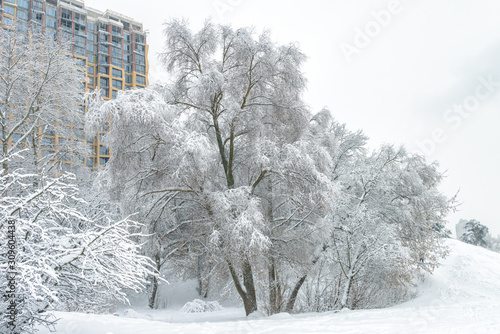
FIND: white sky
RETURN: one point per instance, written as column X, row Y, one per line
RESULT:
column 399, row 88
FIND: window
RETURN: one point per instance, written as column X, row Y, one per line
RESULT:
column 91, row 81
column 103, row 161
column 140, row 49
column 50, row 33
column 126, row 37
column 139, row 39
column 81, row 111
column 90, row 48
column 9, row 10
column 66, row 25
column 103, row 70
column 126, row 47
column 116, row 30
column 140, row 69
column 90, row 26
column 114, row 94
column 116, row 62
column 80, row 18
column 52, row 12
column 126, row 58
column 92, row 59
column 79, row 132
column 22, row 15
column 140, row 60
column 103, row 49
column 90, row 37
column 116, row 52
column 65, row 167
column 23, row 4
column 37, row 17
column 48, row 141
column 128, row 68
column 117, row 73
column 103, row 60
column 51, row 23
column 116, row 41
column 81, row 62
column 141, row 80
column 6, row 21
column 104, row 82
column 38, row 5
column 90, row 69
column 128, row 79
column 90, row 162
column 66, row 14
column 10, row 1
column 22, row 25
column 103, row 38
column 117, row 84
column 79, row 51
column 79, row 40
column 16, row 137
column 103, row 150
column 79, row 29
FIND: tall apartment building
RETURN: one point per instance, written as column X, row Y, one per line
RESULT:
column 110, row 46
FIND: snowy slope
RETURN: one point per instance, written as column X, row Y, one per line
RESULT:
column 463, row 296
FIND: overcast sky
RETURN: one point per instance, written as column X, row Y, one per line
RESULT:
column 421, row 73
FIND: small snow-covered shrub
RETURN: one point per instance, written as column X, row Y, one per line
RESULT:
column 199, row 306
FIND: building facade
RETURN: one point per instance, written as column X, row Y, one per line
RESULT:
column 111, row 48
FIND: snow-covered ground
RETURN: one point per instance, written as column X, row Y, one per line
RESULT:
column 463, row 296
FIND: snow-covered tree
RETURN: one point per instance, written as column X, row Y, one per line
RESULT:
column 63, row 252
column 62, row 257
column 222, row 160
column 40, row 88
column 385, row 221
column 475, row 233
column 235, row 180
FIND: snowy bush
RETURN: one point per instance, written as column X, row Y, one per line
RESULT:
column 199, row 306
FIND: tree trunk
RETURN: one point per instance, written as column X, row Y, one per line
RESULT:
column 202, row 288
column 152, row 298
column 293, row 295
column 249, row 297
column 250, row 287
column 274, row 304
column 347, row 290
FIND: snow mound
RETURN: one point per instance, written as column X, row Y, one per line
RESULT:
column 462, row 297
column 256, row 315
column 199, row 306
column 129, row 313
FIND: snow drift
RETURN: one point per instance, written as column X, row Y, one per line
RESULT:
column 463, row 296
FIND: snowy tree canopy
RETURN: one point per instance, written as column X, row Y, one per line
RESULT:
column 235, row 180
column 475, row 233
column 40, row 88
column 63, row 253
